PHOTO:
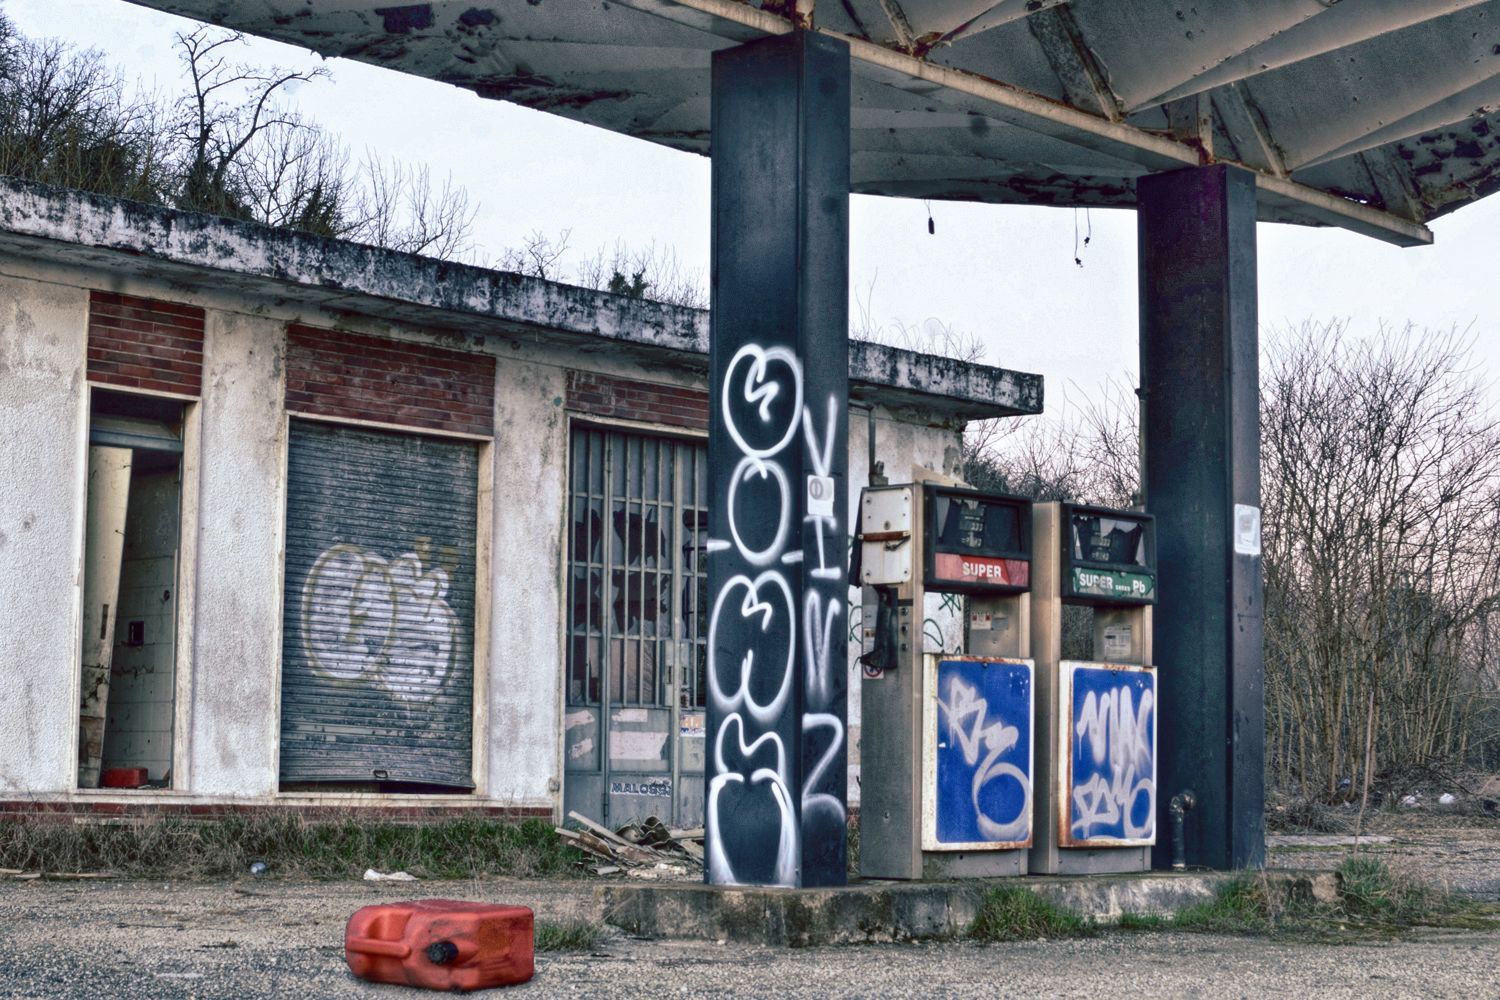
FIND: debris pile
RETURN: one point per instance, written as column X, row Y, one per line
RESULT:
column 645, row 848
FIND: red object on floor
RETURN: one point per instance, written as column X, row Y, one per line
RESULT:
column 441, row 944
column 123, row 777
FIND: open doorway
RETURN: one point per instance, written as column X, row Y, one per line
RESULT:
column 130, row 582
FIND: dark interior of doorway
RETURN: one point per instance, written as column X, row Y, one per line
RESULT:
column 129, row 706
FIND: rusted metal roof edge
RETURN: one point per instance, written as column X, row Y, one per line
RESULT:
column 76, row 226
column 737, row 21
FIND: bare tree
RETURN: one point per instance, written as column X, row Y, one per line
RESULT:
column 229, row 146
column 651, row 273
column 399, row 207
column 232, row 104
column 1381, row 464
column 248, row 156
column 297, row 177
column 67, row 120
column 1086, row 451
column 930, row 336
column 538, row 256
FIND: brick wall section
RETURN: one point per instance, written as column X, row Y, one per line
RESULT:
column 630, row 399
column 335, row 374
column 137, row 343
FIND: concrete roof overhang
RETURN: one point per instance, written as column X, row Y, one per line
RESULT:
column 206, row 254
column 1373, row 115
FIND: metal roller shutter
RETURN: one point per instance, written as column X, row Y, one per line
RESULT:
column 377, row 672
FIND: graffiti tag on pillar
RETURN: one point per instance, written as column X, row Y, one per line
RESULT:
column 756, row 815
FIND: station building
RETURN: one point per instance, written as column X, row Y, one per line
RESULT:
column 293, row 522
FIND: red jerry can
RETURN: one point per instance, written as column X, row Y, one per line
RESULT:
column 441, row 944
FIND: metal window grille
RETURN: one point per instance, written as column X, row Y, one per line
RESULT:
column 636, row 576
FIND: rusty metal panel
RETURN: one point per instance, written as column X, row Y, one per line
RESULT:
column 377, row 672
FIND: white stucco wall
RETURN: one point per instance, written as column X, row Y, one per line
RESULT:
column 524, row 737
column 42, row 356
column 903, row 443
column 234, row 508
column 241, row 503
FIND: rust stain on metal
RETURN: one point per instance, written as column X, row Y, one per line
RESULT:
column 477, row 17
column 407, row 18
column 795, row 12
column 541, row 93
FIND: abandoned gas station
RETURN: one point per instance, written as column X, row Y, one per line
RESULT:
column 1371, row 115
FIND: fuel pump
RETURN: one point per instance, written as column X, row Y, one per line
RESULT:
column 1096, row 716
column 947, row 747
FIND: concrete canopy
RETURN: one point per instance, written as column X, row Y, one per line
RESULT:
column 1373, row 115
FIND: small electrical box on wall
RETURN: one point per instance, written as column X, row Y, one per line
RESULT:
column 885, row 515
column 1096, row 717
column 947, row 699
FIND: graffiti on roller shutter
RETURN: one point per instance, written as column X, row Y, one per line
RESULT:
column 366, row 620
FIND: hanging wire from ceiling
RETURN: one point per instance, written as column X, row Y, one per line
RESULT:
column 1087, row 236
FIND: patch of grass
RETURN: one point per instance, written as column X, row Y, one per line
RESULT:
column 572, row 935
column 290, row 845
column 1369, row 892
column 1371, row 898
column 1010, row 913
column 1142, row 922
column 1243, row 906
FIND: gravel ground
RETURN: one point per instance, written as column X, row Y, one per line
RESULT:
column 1457, row 852
column 269, row 938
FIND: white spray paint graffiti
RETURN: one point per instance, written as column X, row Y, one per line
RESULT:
column 1114, row 730
column 755, row 378
column 369, row 621
column 962, row 707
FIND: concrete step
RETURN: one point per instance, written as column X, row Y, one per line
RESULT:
column 870, row 911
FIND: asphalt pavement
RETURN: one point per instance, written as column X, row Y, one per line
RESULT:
column 276, row 938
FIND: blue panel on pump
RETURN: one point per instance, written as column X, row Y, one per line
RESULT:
column 1111, row 739
column 983, row 753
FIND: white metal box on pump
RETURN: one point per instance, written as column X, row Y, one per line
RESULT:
column 946, row 758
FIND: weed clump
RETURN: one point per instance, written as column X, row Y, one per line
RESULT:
column 1369, row 892
column 1244, row 906
column 569, row 936
column 1370, row 897
column 1011, row 913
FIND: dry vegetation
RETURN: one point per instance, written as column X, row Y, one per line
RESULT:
column 1381, row 496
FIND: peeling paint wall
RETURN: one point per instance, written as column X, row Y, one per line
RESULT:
column 233, row 722
column 524, row 733
column 42, row 355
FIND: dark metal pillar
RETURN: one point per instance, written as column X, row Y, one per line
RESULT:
column 1201, row 449
column 776, row 809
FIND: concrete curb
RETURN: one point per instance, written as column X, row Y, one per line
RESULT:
column 889, row 911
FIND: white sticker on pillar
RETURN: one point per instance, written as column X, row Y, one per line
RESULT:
column 1246, row 530
column 820, row 495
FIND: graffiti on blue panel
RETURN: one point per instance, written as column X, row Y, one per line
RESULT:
column 1113, row 746
column 983, row 792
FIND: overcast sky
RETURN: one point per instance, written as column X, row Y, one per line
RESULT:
column 1003, row 273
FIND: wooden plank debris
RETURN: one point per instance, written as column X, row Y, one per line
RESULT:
column 646, row 848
